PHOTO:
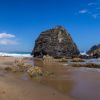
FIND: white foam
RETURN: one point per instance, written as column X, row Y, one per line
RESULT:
column 14, row 54
column 83, row 53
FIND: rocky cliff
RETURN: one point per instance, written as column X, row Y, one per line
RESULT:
column 55, row 42
column 94, row 51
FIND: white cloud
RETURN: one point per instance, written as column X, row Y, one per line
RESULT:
column 6, row 35
column 92, row 9
column 7, row 42
column 83, row 11
column 7, row 39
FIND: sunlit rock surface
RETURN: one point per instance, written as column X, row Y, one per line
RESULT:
column 94, row 51
column 55, row 42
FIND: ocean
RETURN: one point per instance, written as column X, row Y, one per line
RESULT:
column 16, row 54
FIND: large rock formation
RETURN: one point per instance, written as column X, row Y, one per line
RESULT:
column 55, row 42
column 94, row 51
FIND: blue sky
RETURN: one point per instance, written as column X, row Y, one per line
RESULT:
column 21, row 21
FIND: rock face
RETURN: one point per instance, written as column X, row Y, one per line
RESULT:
column 94, row 51
column 55, row 42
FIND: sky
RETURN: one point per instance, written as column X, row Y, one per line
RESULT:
column 21, row 22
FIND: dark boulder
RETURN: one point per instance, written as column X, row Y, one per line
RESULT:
column 55, row 42
column 94, row 51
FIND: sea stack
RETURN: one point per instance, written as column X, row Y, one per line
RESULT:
column 55, row 42
column 94, row 51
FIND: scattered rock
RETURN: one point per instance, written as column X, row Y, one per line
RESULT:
column 19, row 66
column 77, row 60
column 89, row 65
column 63, row 60
column 84, row 57
column 8, row 69
column 50, row 59
column 35, row 71
column 94, row 51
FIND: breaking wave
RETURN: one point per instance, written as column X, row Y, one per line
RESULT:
column 20, row 54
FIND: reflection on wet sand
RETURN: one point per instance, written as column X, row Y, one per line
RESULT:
column 19, row 86
column 60, row 80
column 79, row 83
column 14, row 88
column 65, row 82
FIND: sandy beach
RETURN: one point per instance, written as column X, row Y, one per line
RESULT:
column 49, row 49
column 12, row 88
column 15, row 87
column 67, row 84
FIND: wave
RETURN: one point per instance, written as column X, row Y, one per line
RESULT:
column 83, row 53
column 15, row 54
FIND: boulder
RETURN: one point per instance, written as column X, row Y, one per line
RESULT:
column 55, row 42
column 94, row 51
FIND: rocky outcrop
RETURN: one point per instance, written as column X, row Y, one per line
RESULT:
column 94, row 51
column 55, row 42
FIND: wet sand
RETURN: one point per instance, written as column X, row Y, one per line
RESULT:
column 18, row 86
column 14, row 88
column 87, row 85
column 79, row 83
column 68, row 83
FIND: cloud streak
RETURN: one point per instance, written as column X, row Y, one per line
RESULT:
column 92, row 9
column 83, row 11
column 7, row 39
column 6, row 35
